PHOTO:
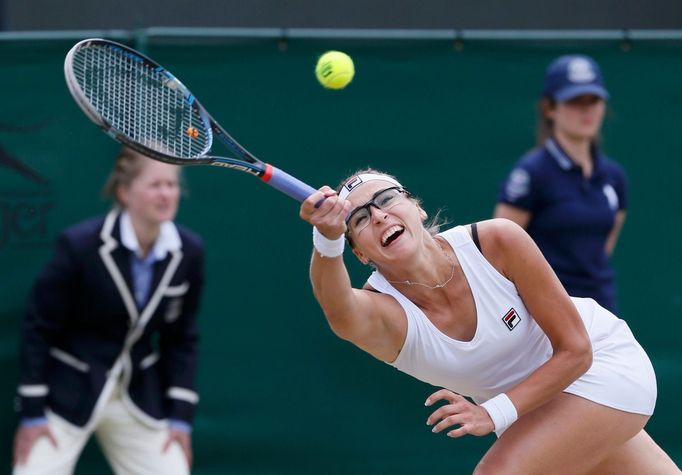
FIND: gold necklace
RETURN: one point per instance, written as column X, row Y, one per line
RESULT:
column 432, row 287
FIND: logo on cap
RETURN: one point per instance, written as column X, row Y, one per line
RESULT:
column 580, row 70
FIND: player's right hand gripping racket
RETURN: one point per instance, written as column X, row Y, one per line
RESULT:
column 140, row 104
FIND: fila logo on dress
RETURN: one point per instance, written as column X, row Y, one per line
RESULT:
column 511, row 319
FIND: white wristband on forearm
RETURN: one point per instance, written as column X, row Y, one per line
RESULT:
column 502, row 412
column 328, row 247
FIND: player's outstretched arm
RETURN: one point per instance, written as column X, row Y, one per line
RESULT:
column 353, row 314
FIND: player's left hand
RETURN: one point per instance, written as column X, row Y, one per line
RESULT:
column 458, row 411
column 184, row 439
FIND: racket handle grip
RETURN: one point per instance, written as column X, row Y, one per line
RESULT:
column 286, row 183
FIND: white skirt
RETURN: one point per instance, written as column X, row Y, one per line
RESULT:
column 621, row 375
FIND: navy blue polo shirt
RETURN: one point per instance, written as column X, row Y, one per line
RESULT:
column 571, row 216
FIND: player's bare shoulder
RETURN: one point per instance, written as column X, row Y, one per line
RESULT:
column 492, row 231
column 498, row 232
column 498, row 238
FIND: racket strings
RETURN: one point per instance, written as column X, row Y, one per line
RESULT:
column 144, row 103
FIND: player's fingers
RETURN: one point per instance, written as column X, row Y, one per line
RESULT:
column 347, row 207
column 318, row 196
column 340, row 210
column 327, row 219
column 442, row 394
column 449, row 421
column 309, row 205
column 436, row 415
column 445, row 411
column 330, row 201
column 330, row 218
column 327, row 193
column 459, row 432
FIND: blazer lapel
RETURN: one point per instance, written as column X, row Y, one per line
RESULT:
column 116, row 263
column 121, row 257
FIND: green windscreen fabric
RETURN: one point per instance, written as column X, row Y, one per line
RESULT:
column 280, row 393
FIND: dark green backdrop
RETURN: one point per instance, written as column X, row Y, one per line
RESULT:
column 280, row 394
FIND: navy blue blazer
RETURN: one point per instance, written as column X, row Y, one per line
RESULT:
column 84, row 335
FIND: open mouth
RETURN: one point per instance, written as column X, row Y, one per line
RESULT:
column 391, row 235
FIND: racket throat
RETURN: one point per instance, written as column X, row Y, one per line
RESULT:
column 267, row 173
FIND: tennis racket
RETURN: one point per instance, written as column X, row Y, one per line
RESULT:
column 140, row 104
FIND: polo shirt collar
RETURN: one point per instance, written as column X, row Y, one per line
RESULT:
column 562, row 158
column 167, row 241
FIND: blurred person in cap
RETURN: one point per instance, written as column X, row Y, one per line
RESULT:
column 566, row 193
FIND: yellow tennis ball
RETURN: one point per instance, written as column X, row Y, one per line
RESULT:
column 334, row 70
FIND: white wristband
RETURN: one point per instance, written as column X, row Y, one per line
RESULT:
column 502, row 412
column 328, row 247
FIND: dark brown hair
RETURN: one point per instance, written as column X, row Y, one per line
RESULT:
column 545, row 126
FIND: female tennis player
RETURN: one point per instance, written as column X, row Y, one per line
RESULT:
column 478, row 311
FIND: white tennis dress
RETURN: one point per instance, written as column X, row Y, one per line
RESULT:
column 509, row 345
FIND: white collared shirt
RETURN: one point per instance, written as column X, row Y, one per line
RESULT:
column 142, row 267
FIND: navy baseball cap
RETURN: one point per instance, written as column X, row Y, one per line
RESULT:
column 571, row 76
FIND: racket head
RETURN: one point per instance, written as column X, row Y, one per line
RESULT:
column 138, row 102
